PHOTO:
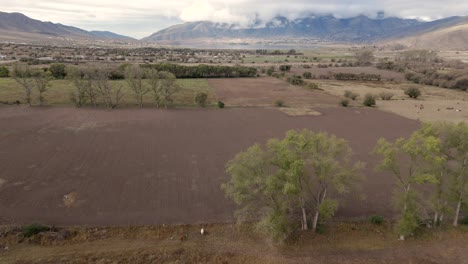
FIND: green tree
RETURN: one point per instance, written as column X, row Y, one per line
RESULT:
column 411, row 162
column 58, row 70
column 258, row 191
column 300, row 172
column 453, row 177
column 317, row 165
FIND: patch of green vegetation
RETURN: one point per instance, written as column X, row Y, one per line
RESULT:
column 34, row 229
column 377, row 219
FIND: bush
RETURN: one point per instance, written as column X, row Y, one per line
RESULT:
column 201, row 99
column 377, row 219
column 351, row 95
column 270, row 71
column 312, row 86
column 279, row 103
column 285, row 68
column 4, row 72
column 413, row 92
column 464, row 221
column 369, row 100
column 386, row 96
column 307, row 75
column 321, row 229
column 58, row 70
column 296, row 80
column 34, row 229
column 344, row 102
column 220, row 104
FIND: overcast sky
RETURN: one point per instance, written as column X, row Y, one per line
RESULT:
column 140, row 18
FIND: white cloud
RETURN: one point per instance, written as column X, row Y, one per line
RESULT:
column 139, row 18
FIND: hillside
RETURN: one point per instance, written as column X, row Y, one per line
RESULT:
column 448, row 36
column 18, row 27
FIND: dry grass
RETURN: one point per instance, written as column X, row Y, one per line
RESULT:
column 438, row 104
column 342, row 243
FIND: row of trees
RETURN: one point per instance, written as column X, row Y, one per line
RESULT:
column 361, row 76
column 425, row 67
column 93, row 82
column 288, row 183
column 204, row 71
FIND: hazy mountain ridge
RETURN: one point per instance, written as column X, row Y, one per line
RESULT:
column 11, row 24
column 447, row 33
column 356, row 29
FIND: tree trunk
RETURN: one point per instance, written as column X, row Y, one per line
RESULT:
column 436, row 218
column 316, row 217
column 304, row 218
column 457, row 212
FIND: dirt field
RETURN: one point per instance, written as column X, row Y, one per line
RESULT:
column 132, row 167
column 264, row 91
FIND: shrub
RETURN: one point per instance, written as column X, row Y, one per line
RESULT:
column 4, row 72
column 296, row 80
column 307, row 75
column 351, row 95
column 369, row 100
column 279, row 103
column 220, row 104
column 34, row 229
column 270, row 71
column 321, row 229
column 464, row 221
column 285, row 68
column 413, row 92
column 386, row 96
column 344, row 102
column 377, row 219
column 201, row 99
column 312, row 86
column 58, row 70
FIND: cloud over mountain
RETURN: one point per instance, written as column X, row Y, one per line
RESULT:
column 140, row 17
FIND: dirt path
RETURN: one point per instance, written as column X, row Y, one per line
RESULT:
column 349, row 243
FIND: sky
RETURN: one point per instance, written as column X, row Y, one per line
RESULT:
column 141, row 18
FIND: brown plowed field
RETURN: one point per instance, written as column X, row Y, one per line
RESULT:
column 264, row 91
column 95, row 167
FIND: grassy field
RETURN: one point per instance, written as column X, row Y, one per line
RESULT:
column 59, row 91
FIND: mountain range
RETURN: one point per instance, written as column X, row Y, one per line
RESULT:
column 448, row 33
column 16, row 26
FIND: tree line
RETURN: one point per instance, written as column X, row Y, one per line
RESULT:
column 92, row 84
column 293, row 183
column 204, row 71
